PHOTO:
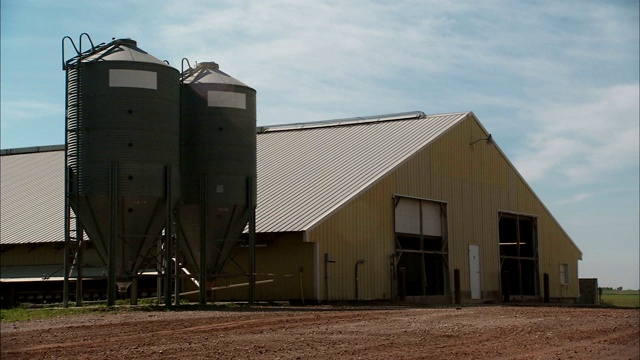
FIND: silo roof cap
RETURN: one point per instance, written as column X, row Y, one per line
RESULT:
column 210, row 65
column 122, row 50
column 128, row 42
column 209, row 73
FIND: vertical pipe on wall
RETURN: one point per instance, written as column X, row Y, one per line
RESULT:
column 327, row 261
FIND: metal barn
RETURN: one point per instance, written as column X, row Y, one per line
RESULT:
column 410, row 206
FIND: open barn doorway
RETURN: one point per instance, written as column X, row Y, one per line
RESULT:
column 518, row 242
column 422, row 250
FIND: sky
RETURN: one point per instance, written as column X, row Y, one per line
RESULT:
column 555, row 82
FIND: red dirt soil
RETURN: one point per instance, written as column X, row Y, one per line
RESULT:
column 323, row 332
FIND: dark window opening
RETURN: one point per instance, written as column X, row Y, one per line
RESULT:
column 518, row 255
column 413, row 265
column 409, row 242
column 527, row 237
column 433, row 244
column 426, row 274
column 508, row 237
column 436, row 274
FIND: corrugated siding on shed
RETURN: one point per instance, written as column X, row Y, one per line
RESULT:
column 32, row 204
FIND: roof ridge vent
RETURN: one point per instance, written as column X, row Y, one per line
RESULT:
column 343, row 122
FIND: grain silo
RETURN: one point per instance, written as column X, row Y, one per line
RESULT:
column 122, row 152
column 218, row 167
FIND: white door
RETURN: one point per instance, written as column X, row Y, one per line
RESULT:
column 474, row 270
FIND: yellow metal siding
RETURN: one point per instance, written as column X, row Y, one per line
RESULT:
column 44, row 254
column 487, row 184
column 476, row 182
column 363, row 229
column 281, row 261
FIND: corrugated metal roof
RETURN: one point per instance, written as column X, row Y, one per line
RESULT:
column 306, row 174
column 32, row 196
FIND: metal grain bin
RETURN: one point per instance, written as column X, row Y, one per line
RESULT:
column 123, row 136
column 218, row 159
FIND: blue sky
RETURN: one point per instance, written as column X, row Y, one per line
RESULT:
column 555, row 82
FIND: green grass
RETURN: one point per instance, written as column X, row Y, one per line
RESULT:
column 621, row 298
column 618, row 298
column 26, row 312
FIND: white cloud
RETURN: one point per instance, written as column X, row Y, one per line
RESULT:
column 319, row 55
column 584, row 141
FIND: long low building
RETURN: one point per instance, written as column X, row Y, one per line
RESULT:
column 407, row 206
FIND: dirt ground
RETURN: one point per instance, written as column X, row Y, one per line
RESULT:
column 322, row 332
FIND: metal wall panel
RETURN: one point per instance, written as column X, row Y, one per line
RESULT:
column 45, row 254
column 362, row 230
column 476, row 182
column 32, row 197
column 281, row 261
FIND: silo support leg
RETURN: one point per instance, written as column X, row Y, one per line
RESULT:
column 252, row 239
column 203, row 239
column 67, row 240
column 79, row 260
column 177, row 284
column 113, row 213
column 159, row 272
column 177, row 264
column 169, row 241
